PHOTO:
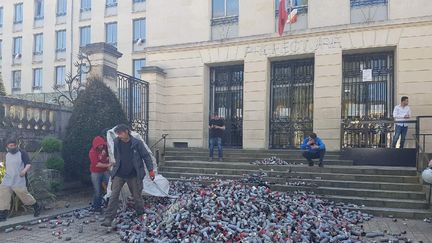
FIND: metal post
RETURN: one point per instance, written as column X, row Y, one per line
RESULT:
column 430, row 190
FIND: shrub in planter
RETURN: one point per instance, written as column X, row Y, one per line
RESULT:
column 95, row 109
column 55, row 163
column 51, row 145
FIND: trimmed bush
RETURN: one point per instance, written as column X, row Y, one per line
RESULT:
column 55, row 163
column 51, row 145
column 96, row 108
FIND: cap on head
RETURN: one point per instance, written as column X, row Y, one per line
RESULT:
column 11, row 141
column 122, row 128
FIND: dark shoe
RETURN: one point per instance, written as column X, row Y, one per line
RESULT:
column 210, row 159
column 37, row 209
column 321, row 164
column 311, row 163
column 220, row 160
column 107, row 222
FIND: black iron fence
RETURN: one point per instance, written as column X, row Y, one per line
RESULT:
column 369, row 133
column 291, row 117
column 133, row 94
column 226, row 99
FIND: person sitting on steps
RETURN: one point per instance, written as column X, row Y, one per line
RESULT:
column 315, row 149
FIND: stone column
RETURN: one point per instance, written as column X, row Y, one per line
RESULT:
column 155, row 76
column 103, row 58
column 327, row 97
column 255, row 103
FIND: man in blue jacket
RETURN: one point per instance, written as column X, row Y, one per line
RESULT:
column 315, row 149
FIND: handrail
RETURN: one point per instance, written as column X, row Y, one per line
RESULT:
column 421, row 145
column 421, row 153
column 162, row 138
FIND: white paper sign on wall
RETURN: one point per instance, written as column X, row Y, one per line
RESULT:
column 367, row 75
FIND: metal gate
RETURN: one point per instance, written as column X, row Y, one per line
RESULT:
column 133, row 94
column 291, row 96
column 226, row 98
column 367, row 100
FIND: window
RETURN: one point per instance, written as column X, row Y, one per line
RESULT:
column 39, row 9
column 111, row 3
column 225, row 8
column 60, row 75
column 61, row 7
column 138, row 1
column 137, row 65
column 17, row 46
column 85, row 5
column 111, row 33
column 358, row 3
column 301, row 6
column 61, row 41
column 85, row 37
column 37, row 78
column 1, row 17
column 38, row 44
column 139, row 29
column 366, row 11
column 18, row 17
column 16, row 80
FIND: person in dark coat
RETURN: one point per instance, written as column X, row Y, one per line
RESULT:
column 130, row 156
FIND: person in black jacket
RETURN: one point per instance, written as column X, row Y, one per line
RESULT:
column 129, row 154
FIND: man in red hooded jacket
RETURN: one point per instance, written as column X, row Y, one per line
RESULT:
column 99, row 166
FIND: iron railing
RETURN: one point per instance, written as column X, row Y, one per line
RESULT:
column 291, row 97
column 368, row 133
column 226, row 99
column 133, row 95
column 422, row 144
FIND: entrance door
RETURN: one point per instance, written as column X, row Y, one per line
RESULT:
column 367, row 100
column 291, row 117
column 226, row 98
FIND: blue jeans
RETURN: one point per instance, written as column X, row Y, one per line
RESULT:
column 216, row 141
column 97, row 180
column 401, row 132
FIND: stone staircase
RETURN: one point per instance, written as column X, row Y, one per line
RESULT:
column 381, row 191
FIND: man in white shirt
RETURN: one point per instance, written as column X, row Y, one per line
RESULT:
column 401, row 114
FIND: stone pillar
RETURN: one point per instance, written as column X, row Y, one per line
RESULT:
column 155, row 76
column 327, row 97
column 103, row 58
column 255, row 103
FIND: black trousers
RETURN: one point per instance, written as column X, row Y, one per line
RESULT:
column 314, row 155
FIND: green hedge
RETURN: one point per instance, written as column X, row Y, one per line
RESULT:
column 55, row 163
column 96, row 108
column 51, row 145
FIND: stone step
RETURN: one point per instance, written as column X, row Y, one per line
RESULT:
column 251, row 159
column 236, row 154
column 301, row 175
column 370, row 170
column 396, row 212
column 358, row 192
column 379, row 202
column 246, row 151
column 378, row 206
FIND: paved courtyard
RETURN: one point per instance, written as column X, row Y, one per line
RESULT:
column 416, row 230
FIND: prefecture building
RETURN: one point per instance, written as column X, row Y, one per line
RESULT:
column 341, row 61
